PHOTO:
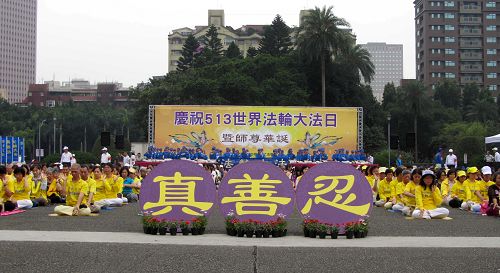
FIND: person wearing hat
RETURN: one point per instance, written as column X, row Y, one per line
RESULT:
column 460, row 192
column 105, row 156
column 493, row 196
column 428, row 198
column 475, row 189
column 486, row 181
column 451, row 160
column 409, row 193
column 447, row 185
column 497, row 154
column 73, row 159
column 66, row 157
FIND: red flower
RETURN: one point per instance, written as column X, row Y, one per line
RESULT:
column 187, row 222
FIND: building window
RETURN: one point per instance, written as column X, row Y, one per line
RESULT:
column 492, row 87
column 436, row 51
column 491, row 75
column 449, row 3
column 491, row 16
column 436, row 39
column 449, row 75
column 51, row 103
column 435, row 4
column 436, row 63
column 491, row 28
column 491, row 39
column 41, row 94
column 30, row 94
column 449, row 63
column 449, row 39
column 436, row 27
column 491, row 64
column 491, row 51
column 491, row 4
column 449, row 27
column 449, row 51
column 435, row 15
column 449, row 15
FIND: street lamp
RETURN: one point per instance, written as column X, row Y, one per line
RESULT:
column 39, row 142
column 389, row 137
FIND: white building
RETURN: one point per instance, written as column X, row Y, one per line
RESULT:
column 388, row 62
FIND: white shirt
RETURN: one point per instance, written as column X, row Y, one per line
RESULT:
column 451, row 160
column 73, row 161
column 66, row 157
column 370, row 159
column 497, row 157
column 105, row 157
column 132, row 160
column 126, row 161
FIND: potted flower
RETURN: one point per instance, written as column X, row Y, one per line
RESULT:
column 268, row 228
column 240, row 228
column 196, row 226
column 249, row 228
column 322, row 230
column 281, row 225
column 334, row 231
column 172, row 227
column 145, row 222
column 305, row 227
column 230, row 220
column 153, row 226
column 184, row 225
column 349, row 230
column 203, row 221
column 313, row 228
column 259, row 229
column 162, row 227
column 364, row 228
column 358, row 229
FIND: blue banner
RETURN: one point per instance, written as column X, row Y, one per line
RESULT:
column 15, row 149
column 4, row 150
column 21, row 149
column 9, row 149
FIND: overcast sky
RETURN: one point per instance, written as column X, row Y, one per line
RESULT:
column 126, row 40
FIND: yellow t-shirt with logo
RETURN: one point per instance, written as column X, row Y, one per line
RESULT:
column 73, row 190
column 384, row 189
column 3, row 198
column 20, row 192
column 400, row 190
column 138, row 181
column 112, row 194
column 102, row 189
column 426, row 199
column 473, row 187
column 410, row 188
column 36, row 190
column 52, row 188
column 446, row 188
column 394, row 188
column 461, row 190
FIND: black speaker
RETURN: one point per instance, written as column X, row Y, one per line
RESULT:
column 410, row 140
column 119, row 142
column 105, row 139
column 394, row 142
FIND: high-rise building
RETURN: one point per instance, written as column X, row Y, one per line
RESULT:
column 388, row 62
column 458, row 40
column 18, row 19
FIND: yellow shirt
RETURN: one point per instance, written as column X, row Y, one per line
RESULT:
column 426, row 199
column 484, row 187
column 473, row 187
column 20, row 192
column 446, row 187
column 52, row 188
column 409, row 201
column 102, row 189
column 394, row 188
column 371, row 180
column 73, row 190
column 138, row 181
column 36, row 190
column 384, row 189
column 115, row 187
column 400, row 190
column 3, row 198
column 461, row 190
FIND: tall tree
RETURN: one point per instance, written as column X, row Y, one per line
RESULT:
column 321, row 37
column 470, row 95
column 189, row 53
column 448, row 93
column 358, row 59
column 233, row 52
column 414, row 92
column 252, row 52
column 276, row 40
column 212, row 48
column 390, row 95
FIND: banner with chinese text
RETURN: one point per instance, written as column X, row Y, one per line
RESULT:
column 255, row 127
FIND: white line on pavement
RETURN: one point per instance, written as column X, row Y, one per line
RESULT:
column 224, row 240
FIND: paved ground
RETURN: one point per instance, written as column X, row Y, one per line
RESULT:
column 382, row 223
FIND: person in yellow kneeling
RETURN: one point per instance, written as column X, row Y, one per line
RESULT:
column 428, row 198
column 76, row 191
column 409, row 192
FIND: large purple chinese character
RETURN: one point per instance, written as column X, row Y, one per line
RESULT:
column 300, row 119
column 196, row 118
column 285, row 119
column 315, row 120
column 269, row 119
column 239, row 119
column 331, row 120
column 181, row 118
column 254, row 117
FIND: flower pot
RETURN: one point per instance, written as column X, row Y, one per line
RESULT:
column 202, row 231
column 349, row 234
column 276, row 233
column 153, row 231
column 173, row 231
column 334, row 235
column 258, row 234
column 322, row 235
column 228, row 231
column 357, row 234
column 285, row 232
column 249, row 233
column 145, row 229
column 365, row 233
column 306, row 232
column 265, row 234
column 185, row 231
column 162, row 231
column 232, row 232
column 240, row 233
column 312, row 233
column 195, row 231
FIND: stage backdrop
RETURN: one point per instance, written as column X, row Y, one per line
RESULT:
column 256, row 127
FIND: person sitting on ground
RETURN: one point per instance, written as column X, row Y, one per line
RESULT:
column 486, row 181
column 85, row 176
column 20, row 187
column 493, row 195
column 409, row 192
column 460, row 192
column 441, row 177
column 373, row 179
column 385, row 191
column 38, row 187
column 400, row 189
column 447, row 185
column 128, row 186
column 475, row 189
column 56, row 186
column 76, row 191
column 111, row 195
column 5, row 203
column 428, row 198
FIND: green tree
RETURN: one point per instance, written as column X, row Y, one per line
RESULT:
column 276, row 40
column 212, row 50
column 233, row 52
column 414, row 92
column 321, row 37
column 470, row 95
column 189, row 53
column 358, row 59
column 448, row 93
column 390, row 96
column 252, row 52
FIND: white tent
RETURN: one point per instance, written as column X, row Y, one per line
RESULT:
column 492, row 139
